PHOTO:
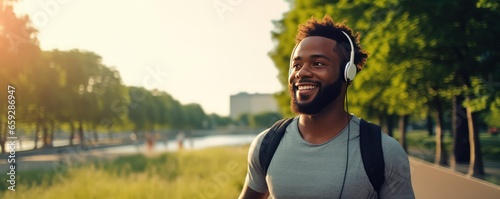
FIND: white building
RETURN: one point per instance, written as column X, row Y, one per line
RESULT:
column 251, row 103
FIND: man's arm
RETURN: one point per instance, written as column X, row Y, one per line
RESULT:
column 255, row 176
column 249, row 193
column 397, row 172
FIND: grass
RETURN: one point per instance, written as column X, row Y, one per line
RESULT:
column 209, row 173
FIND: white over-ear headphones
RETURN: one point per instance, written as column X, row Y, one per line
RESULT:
column 349, row 69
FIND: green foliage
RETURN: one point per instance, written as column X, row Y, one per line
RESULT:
column 19, row 50
column 265, row 119
column 492, row 118
column 218, row 121
column 196, row 116
column 150, row 110
column 245, row 119
column 138, row 108
column 259, row 120
column 423, row 146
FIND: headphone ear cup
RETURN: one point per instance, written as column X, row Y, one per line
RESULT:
column 349, row 72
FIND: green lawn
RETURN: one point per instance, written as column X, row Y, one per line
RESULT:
column 208, row 173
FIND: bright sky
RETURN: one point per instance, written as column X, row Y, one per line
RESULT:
column 199, row 51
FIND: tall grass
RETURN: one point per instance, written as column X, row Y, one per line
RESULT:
column 208, row 173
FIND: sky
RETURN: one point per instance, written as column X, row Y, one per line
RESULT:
column 198, row 51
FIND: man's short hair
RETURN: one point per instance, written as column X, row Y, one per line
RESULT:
column 329, row 29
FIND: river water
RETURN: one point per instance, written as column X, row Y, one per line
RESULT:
column 188, row 143
column 170, row 145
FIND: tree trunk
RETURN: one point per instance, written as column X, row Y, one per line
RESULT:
column 3, row 136
column 37, row 129
column 403, row 123
column 96, row 136
column 441, row 155
column 460, row 131
column 45, row 135
column 390, row 125
column 430, row 125
column 476, row 167
column 80, row 132
column 52, row 133
column 71, row 133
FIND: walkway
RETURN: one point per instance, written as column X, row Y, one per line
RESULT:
column 432, row 181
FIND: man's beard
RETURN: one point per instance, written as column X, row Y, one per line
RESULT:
column 323, row 98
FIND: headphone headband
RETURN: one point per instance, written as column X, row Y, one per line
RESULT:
column 350, row 68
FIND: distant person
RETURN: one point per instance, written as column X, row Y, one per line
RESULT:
column 150, row 141
column 180, row 140
column 319, row 153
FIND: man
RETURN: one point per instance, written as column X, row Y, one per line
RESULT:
column 319, row 155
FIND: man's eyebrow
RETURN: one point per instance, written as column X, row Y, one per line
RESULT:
column 320, row 56
column 313, row 56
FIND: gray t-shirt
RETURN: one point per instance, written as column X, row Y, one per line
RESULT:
column 300, row 169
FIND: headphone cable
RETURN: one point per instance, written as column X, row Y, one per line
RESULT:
column 348, row 137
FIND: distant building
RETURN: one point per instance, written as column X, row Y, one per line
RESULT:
column 251, row 103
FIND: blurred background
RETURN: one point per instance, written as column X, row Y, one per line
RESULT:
column 164, row 97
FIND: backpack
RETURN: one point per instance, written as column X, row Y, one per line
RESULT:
column 370, row 142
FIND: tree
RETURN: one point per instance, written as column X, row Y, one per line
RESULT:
column 196, row 117
column 138, row 114
column 109, row 91
column 265, row 119
column 19, row 50
column 216, row 121
column 467, row 53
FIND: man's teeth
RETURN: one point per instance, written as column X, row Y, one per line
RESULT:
column 307, row 87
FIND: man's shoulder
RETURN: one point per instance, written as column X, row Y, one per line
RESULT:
column 390, row 143
column 258, row 139
column 393, row 151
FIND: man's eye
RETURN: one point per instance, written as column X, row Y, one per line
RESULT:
column 296, row 66
column 318, row 64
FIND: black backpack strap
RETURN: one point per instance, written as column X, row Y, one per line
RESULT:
column 370, row 142
column 271, row 141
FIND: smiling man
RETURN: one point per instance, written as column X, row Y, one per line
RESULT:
column 319, row 153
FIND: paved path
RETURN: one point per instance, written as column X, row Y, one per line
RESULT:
column 432, row 181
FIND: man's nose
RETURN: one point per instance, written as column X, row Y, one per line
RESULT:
column 305, row 71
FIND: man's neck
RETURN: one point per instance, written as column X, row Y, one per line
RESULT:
column 325, row 125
